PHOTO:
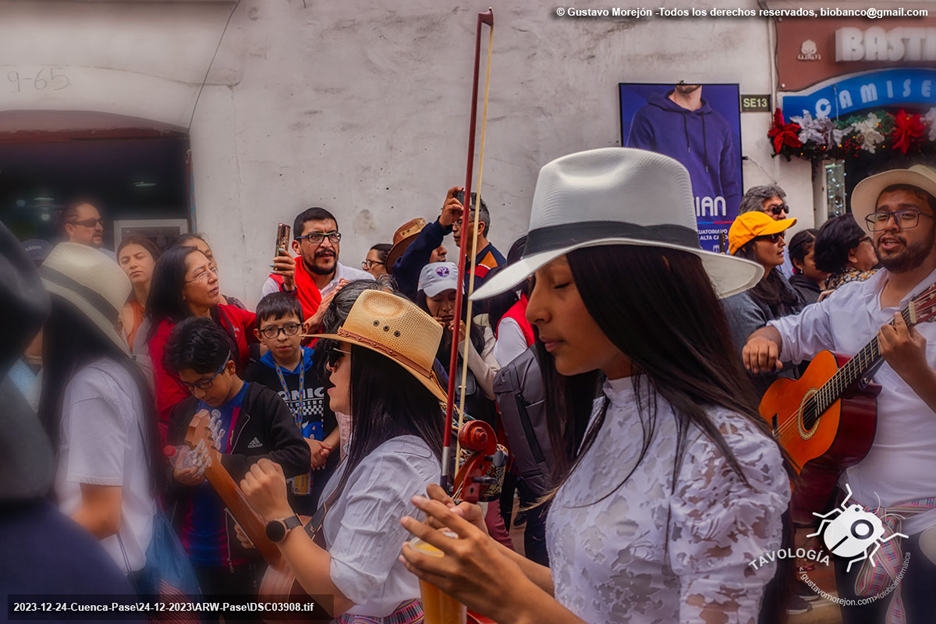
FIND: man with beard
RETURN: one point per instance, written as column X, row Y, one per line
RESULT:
column 317, row 273
column 894, row 481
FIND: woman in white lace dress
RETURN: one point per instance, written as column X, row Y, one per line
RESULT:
column 669, row 484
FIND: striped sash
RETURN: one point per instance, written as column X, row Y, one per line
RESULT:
column 409, row 612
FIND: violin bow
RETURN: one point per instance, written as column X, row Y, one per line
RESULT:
column 487, row 17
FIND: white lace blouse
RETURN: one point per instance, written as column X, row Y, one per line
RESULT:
column 615, row 561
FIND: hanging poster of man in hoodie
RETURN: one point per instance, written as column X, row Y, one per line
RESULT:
column 695, row 130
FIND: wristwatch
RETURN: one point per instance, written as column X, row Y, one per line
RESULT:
column 276, row 530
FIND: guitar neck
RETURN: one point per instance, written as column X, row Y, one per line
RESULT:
column 246, row 517
column 855, row 369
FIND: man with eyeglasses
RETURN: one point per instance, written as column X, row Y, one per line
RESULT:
column 82, row 223
column 316, row 271
column 898, row 209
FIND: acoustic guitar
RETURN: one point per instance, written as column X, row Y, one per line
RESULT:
column 826, row 419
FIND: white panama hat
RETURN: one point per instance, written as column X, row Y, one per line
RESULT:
column 868, row 191
column 617, row 196
column 91, row 282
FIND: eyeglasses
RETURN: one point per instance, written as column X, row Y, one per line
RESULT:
column 367, row 264
column 776, row 210
column 334, row 356
column 773, row 238
column 203, row 275
column 905, row 219
column 89, row 223
column 317, row 237
column 270, row 332
column 204, row 384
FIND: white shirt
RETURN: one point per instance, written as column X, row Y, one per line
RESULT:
column 902, row 460
column 362, row 529
column 101, row 444
column 511, row 343
column 645, row 553
column 341, row 272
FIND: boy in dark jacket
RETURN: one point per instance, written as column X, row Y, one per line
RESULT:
column 287, row 370
column 255, row 423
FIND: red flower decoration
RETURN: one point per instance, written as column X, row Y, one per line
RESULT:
column 908, row 131
column 784, row 134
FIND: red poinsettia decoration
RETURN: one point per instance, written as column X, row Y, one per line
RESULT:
column 908, row 131
column 784, row 133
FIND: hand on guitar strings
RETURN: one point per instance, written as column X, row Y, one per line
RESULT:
column 904, row 349
column 472, row 570
column 264, row 486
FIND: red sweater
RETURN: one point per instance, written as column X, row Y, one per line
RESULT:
column 169, row 392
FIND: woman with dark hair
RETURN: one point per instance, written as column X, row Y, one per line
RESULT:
column 376, row 261
column 137, row 256
column 185, row 284
column 96, row 407
column 757, row 237
column 845, row 251
column 436, row 297
column 807, row 279
column 381, row 371
column 199, row 242
column 670, row 483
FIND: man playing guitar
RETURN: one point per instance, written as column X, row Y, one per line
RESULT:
column 898, row 208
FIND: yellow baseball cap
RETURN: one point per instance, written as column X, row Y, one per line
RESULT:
column 750, row 225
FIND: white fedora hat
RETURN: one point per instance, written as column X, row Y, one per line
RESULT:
column 91, row 282
column 867, row 192
column 617, row 196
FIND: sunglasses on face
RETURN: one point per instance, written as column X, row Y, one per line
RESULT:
column 89, row 223
column 204, row 384
column 777, row 210
column 773, row 238
column 334, row 356
column 317, row 237
column 289, row 329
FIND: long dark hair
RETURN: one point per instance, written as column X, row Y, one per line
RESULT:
column 69, row 343
column 165, row 301
column 664, row 316
column 773, row 291
column 386, row 402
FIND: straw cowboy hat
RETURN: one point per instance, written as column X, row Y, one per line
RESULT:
column 403, row 238
column 91, row 282
column 617, row 196
column 397, row 329
column 866, row 194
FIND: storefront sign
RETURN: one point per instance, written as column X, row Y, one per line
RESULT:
column 876, row 89
column 810, row 51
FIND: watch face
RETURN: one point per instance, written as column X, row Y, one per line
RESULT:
column 276, row 530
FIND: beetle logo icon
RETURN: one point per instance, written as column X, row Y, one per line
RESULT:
column 850, row 531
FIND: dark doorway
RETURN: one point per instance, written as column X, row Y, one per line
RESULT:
column 136, row 177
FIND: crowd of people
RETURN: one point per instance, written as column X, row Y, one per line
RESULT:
column 619, row 364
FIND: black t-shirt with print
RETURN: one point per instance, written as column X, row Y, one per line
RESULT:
column 312, row 404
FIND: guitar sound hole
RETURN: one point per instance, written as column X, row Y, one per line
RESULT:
column 808, row 418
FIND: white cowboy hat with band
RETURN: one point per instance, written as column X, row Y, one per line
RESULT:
column 397, row 329
column 867, row 192
column 617, row 196
column 91, row 282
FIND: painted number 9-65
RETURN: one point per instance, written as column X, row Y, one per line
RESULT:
column 50, row 78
